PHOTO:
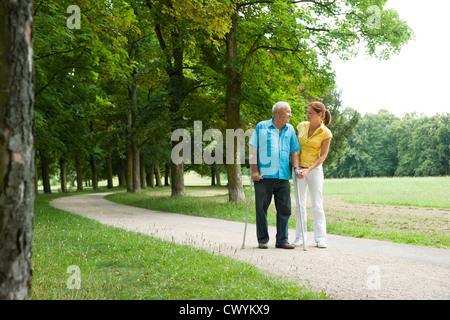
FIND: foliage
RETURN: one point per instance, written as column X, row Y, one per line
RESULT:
column 69, row 65
column 385, row 145
column 343, row 122
column 137, row 70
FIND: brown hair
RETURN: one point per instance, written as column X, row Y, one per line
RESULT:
column 320, row 107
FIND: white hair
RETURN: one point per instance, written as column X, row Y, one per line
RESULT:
column 280, row 105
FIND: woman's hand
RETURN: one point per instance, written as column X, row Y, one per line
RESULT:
column 304, row 173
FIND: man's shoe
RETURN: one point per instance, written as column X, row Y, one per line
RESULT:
column 285, row 246
column 263, row 245
column 321, row 244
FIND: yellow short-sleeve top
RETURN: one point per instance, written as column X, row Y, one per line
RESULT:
column 310, row 147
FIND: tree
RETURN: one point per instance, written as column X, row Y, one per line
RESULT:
column 372, row 148
column 300, row 31
column 423, row 145
column 16, row 148
column 384, row 145
column 264, row 61
column 343, row 123
column 70, row 66
column 178, row 26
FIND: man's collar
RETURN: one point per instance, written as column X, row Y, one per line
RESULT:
column 272, row 125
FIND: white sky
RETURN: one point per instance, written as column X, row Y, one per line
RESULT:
column 418, row 79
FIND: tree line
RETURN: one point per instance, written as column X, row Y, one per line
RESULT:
column 384, row 145
column 110, row 91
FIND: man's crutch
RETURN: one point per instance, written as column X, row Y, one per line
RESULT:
column 297, row 199
column 248, row 209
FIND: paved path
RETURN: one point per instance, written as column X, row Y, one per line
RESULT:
column 349, row 268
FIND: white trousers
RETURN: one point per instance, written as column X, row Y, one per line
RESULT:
column 314, row 183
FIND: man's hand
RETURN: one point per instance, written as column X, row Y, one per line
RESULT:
column 256, row 176
column 297, row 172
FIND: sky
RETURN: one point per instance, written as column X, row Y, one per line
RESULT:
column 417, row 79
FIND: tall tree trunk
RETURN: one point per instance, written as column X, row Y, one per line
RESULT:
column 129, row 174
column 232, row 105
column 167, row 174
column 217, row 170
column 45, row 171
column 151, row 178
column 158, row 175
column 136, row 169
column 132, row 95
column 148, row 181
column 36, row 178
column 177, row 180
column 133, row 145
column 122, row 173
column 109, row 174
column 174, row 69
column 17, row 166
column 143, row 173
column 177, row 80
column 134, row 181
column 94, row 173
column 79, row 172
column 213, row 175
column 62, row 174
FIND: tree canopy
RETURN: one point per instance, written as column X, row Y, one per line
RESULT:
column 383, row 145
column 111, row 90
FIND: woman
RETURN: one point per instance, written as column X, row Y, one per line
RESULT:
column 314, row 138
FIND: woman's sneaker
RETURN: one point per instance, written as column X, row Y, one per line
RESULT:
column 298, row 242
column 321, row 244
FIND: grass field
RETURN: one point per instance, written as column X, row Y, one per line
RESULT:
column 420, row 192
column 115, row 264
column 405, row 191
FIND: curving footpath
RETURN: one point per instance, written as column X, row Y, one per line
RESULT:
column 349, row 268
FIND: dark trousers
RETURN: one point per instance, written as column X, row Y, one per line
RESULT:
column 281, row 190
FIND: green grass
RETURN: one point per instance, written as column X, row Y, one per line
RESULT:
column 118, row 264
column 407, row 230
column 420, row 192
column 425, row 192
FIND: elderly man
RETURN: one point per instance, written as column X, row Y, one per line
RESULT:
column 271, row 146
